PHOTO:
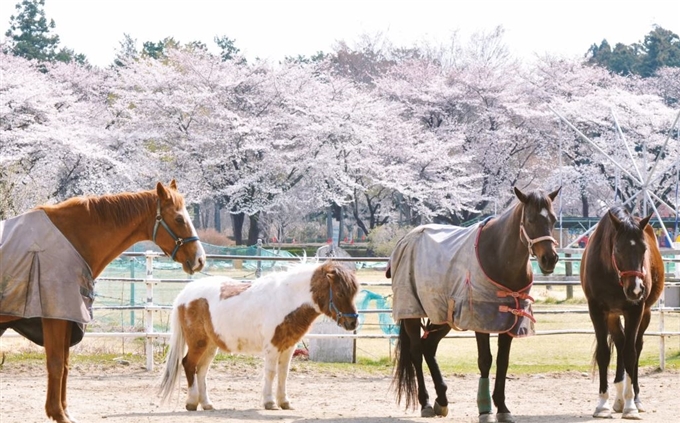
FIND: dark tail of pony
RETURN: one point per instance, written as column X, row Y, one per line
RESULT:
column 404, row 379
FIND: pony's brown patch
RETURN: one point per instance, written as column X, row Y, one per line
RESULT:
column 293, row 327
column 228, row 290
column 197, row 325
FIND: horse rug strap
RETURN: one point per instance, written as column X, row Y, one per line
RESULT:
column 436, row 274
column 42, row 275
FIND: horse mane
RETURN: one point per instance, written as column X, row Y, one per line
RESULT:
column 603, row 238
column 117, row 209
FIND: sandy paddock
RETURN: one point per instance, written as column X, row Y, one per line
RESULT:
column 126, row 394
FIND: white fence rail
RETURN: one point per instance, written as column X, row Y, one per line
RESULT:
column 569, row 280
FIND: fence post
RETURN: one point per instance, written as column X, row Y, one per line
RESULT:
column 568, row 272
column 258, row 271
column 148, row 326
column 132, row 291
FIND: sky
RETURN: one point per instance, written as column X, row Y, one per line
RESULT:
column 272, row 30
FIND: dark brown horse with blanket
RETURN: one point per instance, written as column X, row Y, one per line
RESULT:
column 49, row 258
column 622, row 274
column 475, row 278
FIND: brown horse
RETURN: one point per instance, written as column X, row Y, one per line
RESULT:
column 475, row 278
column 91, row 231
column 622, row 274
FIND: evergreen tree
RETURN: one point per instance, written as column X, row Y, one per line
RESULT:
column 30, row 35
column 660, row 48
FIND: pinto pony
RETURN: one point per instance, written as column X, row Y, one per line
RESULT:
column 49, row 258
column 622, row 274
column 475, row 278
column 267, row 317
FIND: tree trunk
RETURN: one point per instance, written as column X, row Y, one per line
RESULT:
column 237, row 220
column 218, row 216
column 341, row 226
column 254, row 230
column 329, row 223
column 584, row 204
column 196, row 218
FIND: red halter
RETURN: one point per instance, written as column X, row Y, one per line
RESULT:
column 625, row 273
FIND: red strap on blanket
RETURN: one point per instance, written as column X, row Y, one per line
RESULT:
column 516, row 312
column 520, row 295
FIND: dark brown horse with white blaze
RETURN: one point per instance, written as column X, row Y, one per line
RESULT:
column 622, row 274
column 97, row 230
column 474, row 278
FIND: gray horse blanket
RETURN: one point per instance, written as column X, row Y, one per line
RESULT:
column 436, row 274
column 42, row 276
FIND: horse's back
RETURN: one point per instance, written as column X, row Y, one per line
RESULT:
column 423, row 267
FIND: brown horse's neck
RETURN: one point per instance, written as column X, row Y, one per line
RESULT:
column 502, row 253
column 101, row 228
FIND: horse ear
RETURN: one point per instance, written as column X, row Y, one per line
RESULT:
column 645, row 221
column 173, row 184
column 522, row 197
column 162, row 192
column 553, row 194
column 615, row 220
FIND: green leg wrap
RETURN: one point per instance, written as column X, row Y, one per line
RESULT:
column 483, row 396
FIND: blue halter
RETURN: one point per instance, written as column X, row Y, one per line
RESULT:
column 178, row 241
column 338, row 315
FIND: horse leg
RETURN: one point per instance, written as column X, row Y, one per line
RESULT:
column 644, row 324
column 197, row 344
column 435, row 333
column 602, row 357
column 202, row 368
column 630, row 357
column 283, row 366
column 54, row 334
column 271, row 358
column 484, row 361
column 502, row 363
column 412, row 328
column 618, row 338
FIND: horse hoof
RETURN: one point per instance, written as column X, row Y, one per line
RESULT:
column 285, row 406
column 439, row 410
column 638, row 404
column 487, row 418
column 631, row 414
column 208, row 407
column 69, row 418
column 505, row 418
column 618, row 405
column 427, row 411
column 603, row 413
column 269, row 405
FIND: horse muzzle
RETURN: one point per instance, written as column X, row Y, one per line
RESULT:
column 634, row 289
column 350, row 323
column 195, row 265
column 547, row 262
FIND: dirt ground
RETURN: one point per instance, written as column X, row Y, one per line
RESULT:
column 126, row 394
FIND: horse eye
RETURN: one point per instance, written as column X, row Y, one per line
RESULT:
column 179, row 220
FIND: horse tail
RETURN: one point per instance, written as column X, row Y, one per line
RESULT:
column 404, row 379
column 593, row 363
column 174, row 359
